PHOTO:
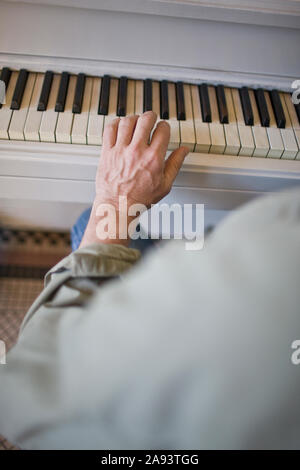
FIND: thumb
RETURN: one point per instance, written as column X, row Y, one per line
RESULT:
column 173, row 164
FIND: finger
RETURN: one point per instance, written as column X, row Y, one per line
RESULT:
column 173, row 165
column 144, row 127
column 160, row 138
column 110, row 133
column 126, row 129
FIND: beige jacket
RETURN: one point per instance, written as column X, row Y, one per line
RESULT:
column 186, row 350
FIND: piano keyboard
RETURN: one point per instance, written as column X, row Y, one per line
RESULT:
column 73, row 109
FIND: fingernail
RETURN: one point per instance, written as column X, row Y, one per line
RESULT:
column 150, row 112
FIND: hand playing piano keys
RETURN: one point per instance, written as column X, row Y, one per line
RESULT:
column 73, row 109
column 133, row 166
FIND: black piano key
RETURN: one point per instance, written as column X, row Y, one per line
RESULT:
column 277, row 108
column 222, row 106
column 19, row 90
column 204, row 102
column 78, row 95
column 104, row 96
column 164, row 100
column 5, row 77
column 62, row 92
column 246, row 106
column 262, row 107
column 43, row 101
column 297, row 107
column 147, row 95
column 122, row 97
column 180, row 102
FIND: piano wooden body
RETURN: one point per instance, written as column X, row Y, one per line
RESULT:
column 249, row 43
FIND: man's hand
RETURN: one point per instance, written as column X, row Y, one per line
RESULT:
column 133, row 167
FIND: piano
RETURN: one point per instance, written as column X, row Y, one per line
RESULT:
column 221, row 75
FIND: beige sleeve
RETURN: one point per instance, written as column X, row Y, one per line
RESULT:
column 75, row 278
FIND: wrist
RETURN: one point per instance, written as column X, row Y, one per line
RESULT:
column 107, row 224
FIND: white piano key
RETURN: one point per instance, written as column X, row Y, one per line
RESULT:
column 156, row 99
column 203, row 141
column 274, row 136
column 294, row 119
column 65, row 118
column 5, row 111
column 155, row 103
column 18, row 119
column 233, row 143
column 261, row 140
column 275, row 141
column 297, row 136
column 290, row 145
column 247, row 141
column 173, row 122
column 49, row 117
column 80, row 121
column 113, row 100
column 218, row 143
column 33, row 120
column 187, row 129
column 95, row 123
column 245, row 132
column 130, row 97
column 291, row 111
column 139, row 97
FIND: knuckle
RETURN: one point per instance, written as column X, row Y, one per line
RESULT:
column 114, row 122
column 124, row 125
column 168, row 187
column 143, row 126
column 135, row 147
column 156, row 166
column 125, row 121
column 176, row 167
column 132, row 117
column 152, row 153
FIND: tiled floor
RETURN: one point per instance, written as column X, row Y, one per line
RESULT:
column 16, row 297
column 25, row 256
